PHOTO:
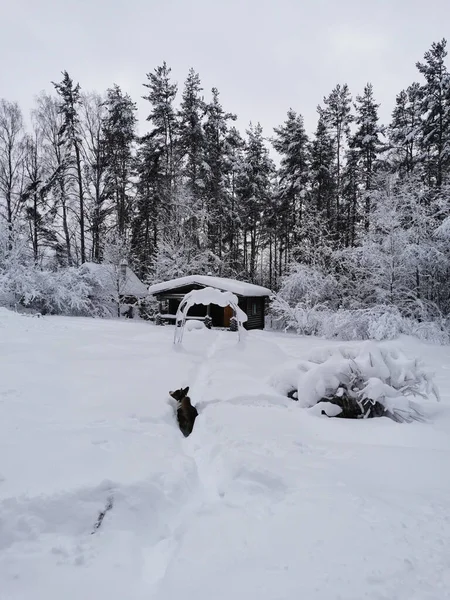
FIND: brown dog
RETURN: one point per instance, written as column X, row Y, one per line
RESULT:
column 186, row 413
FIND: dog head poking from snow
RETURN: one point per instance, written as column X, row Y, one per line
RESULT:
column 178, row 395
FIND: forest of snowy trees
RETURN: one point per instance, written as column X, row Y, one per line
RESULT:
column 355, row 217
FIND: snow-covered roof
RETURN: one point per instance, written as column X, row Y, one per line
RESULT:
column 108, row 275
column 221, row 283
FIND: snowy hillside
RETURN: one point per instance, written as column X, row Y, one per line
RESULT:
column 264, row 500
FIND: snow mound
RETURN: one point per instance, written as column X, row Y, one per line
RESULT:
column 368, row 374
column 193, row 324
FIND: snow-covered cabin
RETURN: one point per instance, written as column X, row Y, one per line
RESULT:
column 252, row 299
column 117, row 280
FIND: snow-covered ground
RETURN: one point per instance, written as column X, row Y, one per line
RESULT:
column 264, row 500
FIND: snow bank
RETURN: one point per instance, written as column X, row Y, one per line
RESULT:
column 262, row 500
column 194, row 324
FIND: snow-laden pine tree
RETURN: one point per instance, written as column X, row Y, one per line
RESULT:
column 291, row 142
column 164, row 129
column 254, row 195
column 217, row 167
column 405, row 130
column 322, row 180
column 366, row 144
column 119, row 133
column 191, row 148
column 337, row 118
column 232, row 226
column 152, row 214
column 436, row 113
column 69, row 105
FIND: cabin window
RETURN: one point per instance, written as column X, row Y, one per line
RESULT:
column 254, row 308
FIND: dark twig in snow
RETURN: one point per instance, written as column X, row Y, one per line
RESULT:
column 101, row 516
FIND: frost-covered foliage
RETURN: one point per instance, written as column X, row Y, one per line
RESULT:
column 379, row 322
column 66, row 291
column 367, row 374
column 178, row 257
column 391, row 283
column 308, row 285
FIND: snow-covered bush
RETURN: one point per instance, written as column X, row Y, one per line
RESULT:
column 148, row 308
column 364, row 377
column 67, row 291
column 379, row 322
column 308, row 285
column 177, row 257
column 301, row 318
column 374, row 323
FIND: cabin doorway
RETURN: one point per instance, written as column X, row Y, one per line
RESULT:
column 227, row 314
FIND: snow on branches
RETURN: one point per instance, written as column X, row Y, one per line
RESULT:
column 359, row 382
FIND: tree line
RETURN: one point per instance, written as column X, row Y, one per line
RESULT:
column 363, row 202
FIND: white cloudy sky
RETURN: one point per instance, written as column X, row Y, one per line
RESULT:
column 263, row 55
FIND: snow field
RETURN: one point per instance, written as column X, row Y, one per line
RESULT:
column 264, row 499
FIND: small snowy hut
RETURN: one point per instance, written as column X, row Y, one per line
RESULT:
column 117, row 284
column 252, row 299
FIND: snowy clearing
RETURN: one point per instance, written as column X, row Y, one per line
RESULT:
column 264, row 500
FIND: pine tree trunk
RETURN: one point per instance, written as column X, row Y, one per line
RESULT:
column 80, row 189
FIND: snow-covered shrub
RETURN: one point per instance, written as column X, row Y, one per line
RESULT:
column 365, row 376
column 67, row 291
column 437, row 332
column 178, row 257
column 308, row 285
column 375, row 323
column 301, row 318
column 379, row 322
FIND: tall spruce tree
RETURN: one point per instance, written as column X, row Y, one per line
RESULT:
column 164, row 129
column 367, row 145
column 337, row 117
column 70, row 132
column 192, row 149
column 436, row 112
column 119, row 132
column 255, row 194
column 405, row 129
column 151, row 210
column 291, row 142
column 233, row 225
column 322, row 180
column 217, row 165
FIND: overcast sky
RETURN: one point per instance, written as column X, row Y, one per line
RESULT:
column 264, row 56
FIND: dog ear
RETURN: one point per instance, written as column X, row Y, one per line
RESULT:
column 185, row 391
